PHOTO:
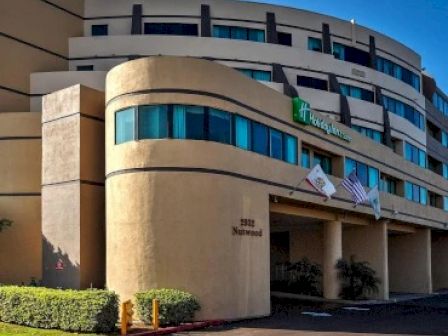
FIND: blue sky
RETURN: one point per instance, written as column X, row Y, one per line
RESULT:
column 421, row 25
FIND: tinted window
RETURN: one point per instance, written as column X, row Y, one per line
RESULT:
column 242, row 133
column 239, row 33
column 153, row 122
column 219, row 126
column 171, row 29
column 324, row 161
column 100, row 30
column 124, row 125
column 314, row 44
column 312, row 82
column 260, row 138
column 305, row 160
column 290, row 152
column 276, row 143
column 350, row 54
column 188, row 122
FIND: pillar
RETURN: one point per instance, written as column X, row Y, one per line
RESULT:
column 410, row 262
column 332, row 253
column 369, row 243
column 73, row 220
column 439, row 260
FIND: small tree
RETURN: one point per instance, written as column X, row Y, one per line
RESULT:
column 358, row 280
column 4, row 223
column 305, row 277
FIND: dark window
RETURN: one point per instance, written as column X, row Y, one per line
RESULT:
column 351, row 54
column 276, row 142
column 188, row 122
column 260, row 75
column 324, row 161
column 219, row 126
column 312, row 82
column 284, row 39
column 357, row 92
column 260, row 138
column 186, row 29
column 239, row 33
column 84, row 68
column 100, row 30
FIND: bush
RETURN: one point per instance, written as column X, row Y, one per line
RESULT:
column 358, row 279
column 175, row 306
column 305, row 277
column 70, row 310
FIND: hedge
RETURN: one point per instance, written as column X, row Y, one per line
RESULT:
column 90, row 310
column 175, row 306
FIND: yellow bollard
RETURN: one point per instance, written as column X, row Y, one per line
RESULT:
column 155, row 314
column 127, row 313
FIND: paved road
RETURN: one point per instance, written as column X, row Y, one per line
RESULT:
column 418, row 317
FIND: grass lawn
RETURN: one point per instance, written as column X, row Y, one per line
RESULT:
column 12, row 329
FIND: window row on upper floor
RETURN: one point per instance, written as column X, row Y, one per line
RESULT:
column 404, row 110
column 440, row 103
column 203, row 123
column 340, row 51
column 415, row 155
column 361, row 57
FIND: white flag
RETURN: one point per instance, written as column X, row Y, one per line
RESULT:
column 374, row 199
column 320, row 181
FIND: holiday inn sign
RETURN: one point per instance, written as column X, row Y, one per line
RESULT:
column 302, row 114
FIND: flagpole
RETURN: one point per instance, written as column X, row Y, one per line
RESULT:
column 297, row 186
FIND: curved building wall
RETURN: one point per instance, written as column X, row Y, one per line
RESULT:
column 175, row 201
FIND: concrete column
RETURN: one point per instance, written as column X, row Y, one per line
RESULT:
column 332, row 253
column 369, row 243
column 410, row 262
column 73, row 221
column 439, row 260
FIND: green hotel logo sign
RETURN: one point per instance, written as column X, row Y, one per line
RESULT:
column 301, row 113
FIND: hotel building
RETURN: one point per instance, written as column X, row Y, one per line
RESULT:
column 151, row 143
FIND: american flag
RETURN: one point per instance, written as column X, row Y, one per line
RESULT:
column 352, row 184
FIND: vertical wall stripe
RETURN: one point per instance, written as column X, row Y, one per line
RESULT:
column 271, row 28
column 346, row 117
column 206, row 22
column 386, row 121
column 372, row 52
column 137, row 22
column 326, row 38
column 278, row 76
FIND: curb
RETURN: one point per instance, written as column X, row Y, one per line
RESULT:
column 181, row 328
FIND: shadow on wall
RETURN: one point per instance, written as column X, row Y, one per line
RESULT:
column 58, row 271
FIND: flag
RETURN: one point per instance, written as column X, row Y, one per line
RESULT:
column 352, row 184
column 374, row 199
column 320, row 181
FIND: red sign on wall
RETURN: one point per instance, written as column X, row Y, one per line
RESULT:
column 59, row 265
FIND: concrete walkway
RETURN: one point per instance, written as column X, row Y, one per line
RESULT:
column 423, row 316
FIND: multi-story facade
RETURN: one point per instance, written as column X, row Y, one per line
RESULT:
column 170, row 157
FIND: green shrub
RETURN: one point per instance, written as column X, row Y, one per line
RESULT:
column 305, row 277
column 175, row 306
column 71, row 310
column 358, row 279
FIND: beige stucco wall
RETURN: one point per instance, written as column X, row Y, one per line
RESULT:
column 20, row 245
column 36, row 39
column 410, row 262
column 73, row 187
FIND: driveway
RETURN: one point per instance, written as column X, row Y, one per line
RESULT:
column 427, row 316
